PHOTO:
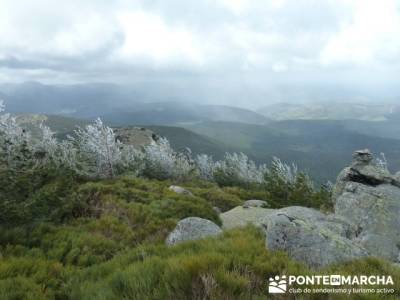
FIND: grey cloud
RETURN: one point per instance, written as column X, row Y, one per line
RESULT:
column 262, row 53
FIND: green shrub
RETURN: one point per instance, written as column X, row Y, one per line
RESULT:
column 253, row 192
column 152, row 197
column 299, row 192
column 36, row 195
column 74, row 245
column 233, row 266
column 219, row 198
column 30, row 278
column 20, row 288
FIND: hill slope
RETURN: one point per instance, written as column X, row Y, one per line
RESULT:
column 329, row 111
column 321, row 147
column 181, row 138
column 177, row 113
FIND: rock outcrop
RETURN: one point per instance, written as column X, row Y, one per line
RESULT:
column 365, row 220
column 180, row 190
column 364, row 171
column 135, row 136
column 309, row 236
column 192, row 228
column 240, row 216
column 370, row 199
column 255, row 203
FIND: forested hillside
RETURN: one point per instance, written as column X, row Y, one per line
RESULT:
column 320, row 147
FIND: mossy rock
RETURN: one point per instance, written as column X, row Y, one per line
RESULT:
column 241, row 217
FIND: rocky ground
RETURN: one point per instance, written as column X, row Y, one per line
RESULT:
column 365, row 220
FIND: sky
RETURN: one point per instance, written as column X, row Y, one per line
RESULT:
column 228, row 50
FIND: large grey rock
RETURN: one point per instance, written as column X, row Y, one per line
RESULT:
column 365, row 171
column 397, row 177
column 240, row 217
column 368, row 196
column 363, row 156
column 375, row 211
column 137, row 137
column 366, row 219
column 180, row 190
column 342, row 179
column 255, row 203
column 192, row 228
column 310, row 237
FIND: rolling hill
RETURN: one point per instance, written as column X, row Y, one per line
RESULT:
column 179, row 137
column 329, row 111
column 177, row 113
column 320, row 147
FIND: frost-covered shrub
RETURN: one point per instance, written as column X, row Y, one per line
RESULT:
column 238, row 169
column 47, row 143
column 98, row 151
column 92, row 151
column 48, row 151
column 162, row 162
column 159, row 160
column 287, row 173
column 132, row 161
column 11, row 133
column 381, row 161
column 185, row 167
column 15, row 142
column 286, row 185
column 205, row 166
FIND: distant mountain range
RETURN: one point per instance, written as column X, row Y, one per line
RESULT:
column 135, row 104
column 115, row 104
column 330, row 111
column 176, row 113
column 84, row 100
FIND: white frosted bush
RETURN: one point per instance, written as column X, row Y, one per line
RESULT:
column 287, row 173
column 132, row 160
column 205, row 166
column 15, row 141
column 184, row 166
column 162, row 162
column 98, row 149
column 49, row 151
column 240, row 169
column 381, row 161
column 47, row 146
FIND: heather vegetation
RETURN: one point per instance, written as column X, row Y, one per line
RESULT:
column 87, row 217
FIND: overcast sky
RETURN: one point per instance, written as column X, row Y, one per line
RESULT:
column 257, row 48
